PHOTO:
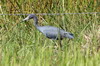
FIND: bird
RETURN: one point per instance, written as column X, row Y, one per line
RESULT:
column 50, row 32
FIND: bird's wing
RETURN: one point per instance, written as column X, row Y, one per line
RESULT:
column 54, row 32
column 51, row 33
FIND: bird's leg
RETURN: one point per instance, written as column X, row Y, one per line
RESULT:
column 55, row 45
column 60, row 43
column 60, row 47
column 59, row 38
column 68, row 40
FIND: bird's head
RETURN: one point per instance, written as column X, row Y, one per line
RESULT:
column 30, row 16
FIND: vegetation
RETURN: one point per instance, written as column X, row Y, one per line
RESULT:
column 21, row 44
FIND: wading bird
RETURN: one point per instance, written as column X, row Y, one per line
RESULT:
column 50, row 31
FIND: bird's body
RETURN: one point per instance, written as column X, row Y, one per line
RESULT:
column 53, row 32
column 50, row 31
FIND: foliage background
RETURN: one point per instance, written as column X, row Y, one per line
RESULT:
column 22, row 45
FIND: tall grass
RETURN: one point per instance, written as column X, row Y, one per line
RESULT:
column 21, row 44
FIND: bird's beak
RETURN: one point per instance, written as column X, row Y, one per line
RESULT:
column 26, row 19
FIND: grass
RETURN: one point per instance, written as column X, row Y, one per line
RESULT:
column 21, row 44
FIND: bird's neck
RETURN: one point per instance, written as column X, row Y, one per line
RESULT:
column 35, row 21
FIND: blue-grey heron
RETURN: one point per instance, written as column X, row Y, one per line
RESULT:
column 50, row 31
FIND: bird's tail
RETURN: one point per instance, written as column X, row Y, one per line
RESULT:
column 69, row 35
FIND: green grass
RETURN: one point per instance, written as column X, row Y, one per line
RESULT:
column 21, row 44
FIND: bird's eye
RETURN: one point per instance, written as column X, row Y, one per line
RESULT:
column 31, row 17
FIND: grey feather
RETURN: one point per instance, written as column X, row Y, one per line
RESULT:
column 50, row 31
